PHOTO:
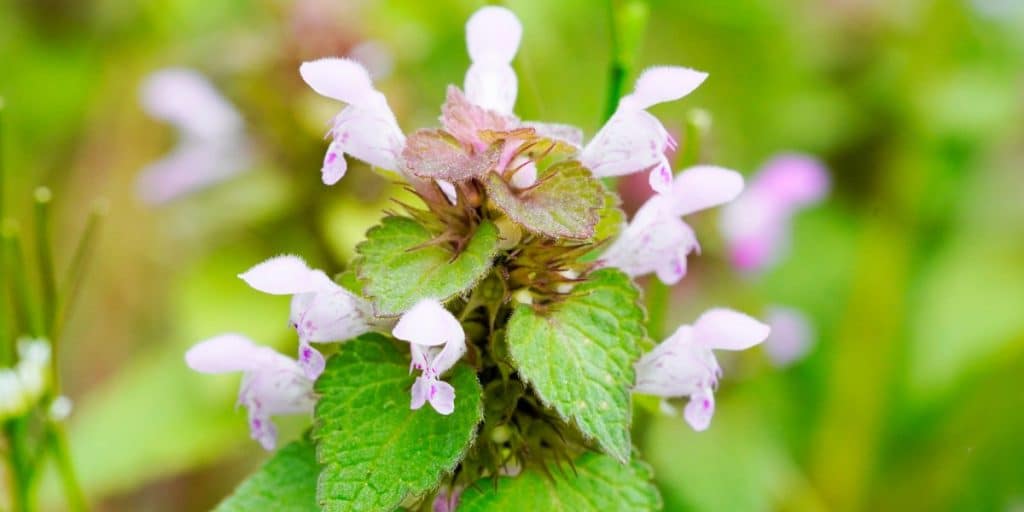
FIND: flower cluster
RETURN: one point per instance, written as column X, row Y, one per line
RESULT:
column 22, row 386
column 515, row 262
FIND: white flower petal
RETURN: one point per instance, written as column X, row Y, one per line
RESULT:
column 661, row 84
column 311, row 360
column 493, row 35
column 428, row 323
column 229, row 353
column 676, row 367
column 660, row 177
column 704, row 186
column 370, row 134
column 671, row 271
column 281, row 387
column 341, row 79
column 492, row 86
column 335, row 165
column 699, row 410
column 285, row 275
column 726, row 329
column 420, row 392
column 330, row 314
column 652, row 242
column 442, row 397
column 631, row 141
column 449, row 355
column 262, row 430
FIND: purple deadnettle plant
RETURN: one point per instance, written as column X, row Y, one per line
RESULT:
column 503, row 297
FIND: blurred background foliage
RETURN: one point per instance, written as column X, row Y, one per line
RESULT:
column 912, row 271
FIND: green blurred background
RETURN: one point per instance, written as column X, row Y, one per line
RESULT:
column 912, row 271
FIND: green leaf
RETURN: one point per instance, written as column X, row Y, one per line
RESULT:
column 400, row 266
column 375, row 450
column 599, row 483
column 579, row 355
column 434, row 154
column 285, row 483
column 563, row 204
column 350, row 282
column 612, row 218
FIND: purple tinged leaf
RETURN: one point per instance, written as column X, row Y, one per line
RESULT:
column 564, row 203
column 435, row 154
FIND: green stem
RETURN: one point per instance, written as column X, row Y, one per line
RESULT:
column 2, row 181
column 58, row 443
column 626, row 29
column 658, row 296
column 44, row 253
column 77, row 269
column 5, row 336
column 21, row 463
column 616, row 68
column 24, row 304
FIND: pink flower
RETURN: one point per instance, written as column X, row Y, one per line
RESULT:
column 633, row 140
column 272, row 384
column 366, row 128
column 321, row 311
column 447, row 500
column 792, row 336
column 684, row 364
column 757, row 225
column 437, row 342
column 657, row 240
column 212, row 144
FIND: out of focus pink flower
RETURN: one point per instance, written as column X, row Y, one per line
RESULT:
column 792, row 336
column 757, row 225
column 212, row 144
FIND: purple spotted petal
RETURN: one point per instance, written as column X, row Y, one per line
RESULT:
column 699, row 410
column 311, row 360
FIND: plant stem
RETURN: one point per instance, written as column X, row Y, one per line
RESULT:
column 6, row 353
column 24, row 303
column 79, row 263
column 658, row 295
column 44, row 253
column 21, row 463
column 625, row 32
column 58, row 442
column 616, row 68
